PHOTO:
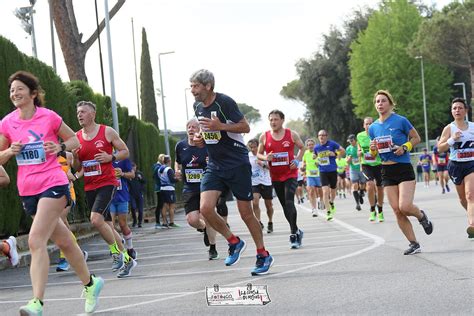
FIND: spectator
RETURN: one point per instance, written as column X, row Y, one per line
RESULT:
column 137, row 187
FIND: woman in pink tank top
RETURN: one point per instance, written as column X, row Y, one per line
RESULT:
column 30, row 134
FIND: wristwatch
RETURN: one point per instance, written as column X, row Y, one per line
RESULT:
column 405, row 148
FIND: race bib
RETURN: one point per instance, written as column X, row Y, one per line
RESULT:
column 211, row 137
column 91, row 168
column 313, row 172
column 368, row 157
column 441, row 161
column 384, row 144
column 465, row 155
column 193, row 175
column 31, row 154
column 280, row 159
column 355, row 161
column 256, row 174
column 324, row 158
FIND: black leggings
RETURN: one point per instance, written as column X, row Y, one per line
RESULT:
column 286, row 195
column 159, row 206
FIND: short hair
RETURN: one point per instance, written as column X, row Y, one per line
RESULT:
column 253, row 141
column 277, row 112
column 192, row 120
column 166, row 159
column 460, row 100
column 387, row 94
column 204, row 77
column 309, row 140
column 31, row 82
column 87, row 103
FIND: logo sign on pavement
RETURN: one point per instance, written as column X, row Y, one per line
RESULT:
column 243, row 295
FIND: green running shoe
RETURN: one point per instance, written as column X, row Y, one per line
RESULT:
column 372, row 216
column 381, row 218
column 33, row 308
column 91, row 293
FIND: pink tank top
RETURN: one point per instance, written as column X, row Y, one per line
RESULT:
column 37, row 170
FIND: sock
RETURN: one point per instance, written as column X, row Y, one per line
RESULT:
column 91, row 281
column 114, row 248
column 128, row 240
column 126, row 257
column 372, row 208
column 233, row 239
column 6, row 248
column 262, row 251
column 356, row 196
column 379, row 208
column 40, row 301
column 212, row 247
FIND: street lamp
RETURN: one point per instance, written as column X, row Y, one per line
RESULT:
column 424, row 102
column 186, row 102
column 464, row 94
column 25, row 14
column 167, row 145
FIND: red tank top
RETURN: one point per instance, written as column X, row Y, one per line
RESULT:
column 96, row 175
column 283, row 154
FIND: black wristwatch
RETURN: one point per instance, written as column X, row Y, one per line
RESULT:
column 405, row 148
column 113, row 157
column 63, row 147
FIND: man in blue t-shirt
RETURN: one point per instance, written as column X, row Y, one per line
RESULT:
column 222, row 125
column 326, row 152
column 426, row 161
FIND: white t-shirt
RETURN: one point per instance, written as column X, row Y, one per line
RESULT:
column 259, row 175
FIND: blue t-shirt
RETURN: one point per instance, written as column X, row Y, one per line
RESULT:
column 326, row 162
column 226, row 150
column 393, row 131
column 122, row 195
column 193, row 162
column 425, row 161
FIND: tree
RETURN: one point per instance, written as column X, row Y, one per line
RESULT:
column 147, row 88
column 251, row 114
column 448, row 38
column 299, row 126
column 380, row 60
column 323, row 84
column 74, row 50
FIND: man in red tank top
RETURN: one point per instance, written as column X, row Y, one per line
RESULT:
column 277, row 146
column 95, row 158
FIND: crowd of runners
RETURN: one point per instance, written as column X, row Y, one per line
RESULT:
column 213, row 162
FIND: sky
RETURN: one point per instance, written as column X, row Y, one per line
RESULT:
column 251, row 46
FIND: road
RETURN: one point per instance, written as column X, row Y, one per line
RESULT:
column 347, row 266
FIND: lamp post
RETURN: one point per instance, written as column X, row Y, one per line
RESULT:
column 167, row 145
column 463, row 94
column 25, row 14
column 111, row 69
column 427, row 145
column 186, row 102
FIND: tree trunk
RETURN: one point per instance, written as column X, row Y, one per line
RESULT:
column 74, row 50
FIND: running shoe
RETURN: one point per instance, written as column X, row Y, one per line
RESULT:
column 294, row 241
column 91, row 293
column 127, row 268
column 158, row 226
column 63, row 265
column 117, row 262
column 139, row 225
column 381, row 218
column 426, row 223
column 235, row 252
column 132, row 253
column 206, row 238
column 470, row 232
column 413, row 248
column 174, row 225
column 270, row 228
column 213, row 255
column 261, row 225
column 134, row 224
column 299, row 237
column 262, row 265
column 447, row 188
column 372, row 216
column 358, row 207
column 13, row 253
column 314, row 212
column 33, row 307
column 329, row 216
column 86, row 255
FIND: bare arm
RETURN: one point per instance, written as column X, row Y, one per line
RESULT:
column 8, row 150
column 118, row 144
column 297, row 140
column 4, row 178
column 443, row 145
column 261, row 149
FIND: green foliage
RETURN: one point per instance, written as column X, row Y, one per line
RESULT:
column 147, row 88
column 380, row 60
column 301, row 128
column 251, row 114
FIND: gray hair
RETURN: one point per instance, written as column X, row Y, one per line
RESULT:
column 203, row 76
column 192, row 120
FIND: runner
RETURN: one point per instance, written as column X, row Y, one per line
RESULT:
column 458, row 138
column 191, row 161
column 341, row 164
column 393, row 137
column 221, row 126
column 65, row 160
column 372, row 171
column 8, row 246
column 119, row 208
column 167, row 192
column 313, row 182
column 357, row 178
column 425, row 160
column 277, row 147
column 326, row 151
column 261, row 185
column 94, row 157
column 440, row 160
column 299, row 193
column 42, row 185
